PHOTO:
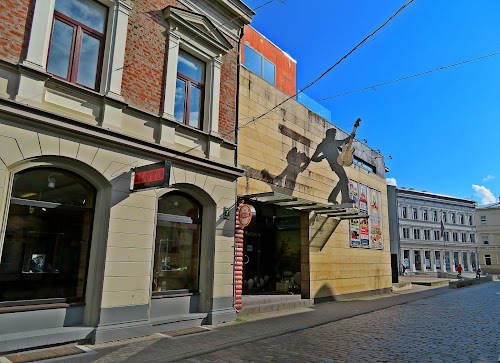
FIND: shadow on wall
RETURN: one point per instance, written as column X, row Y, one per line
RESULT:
column 324, row 294
column 322, row 228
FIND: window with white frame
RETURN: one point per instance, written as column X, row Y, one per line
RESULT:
column 192, row 85
column 485, row 240
column 455, row 237
column 415, row 213
column 472, row 238
column 436, row 236
column 483, row 220
column 434, row 216
column 427, row 234
column 461, row 218
column 416, row 233
column 470, row 220
column 406, row 233
column 403, row 212
column 446, row 236
column 444, row 219
column 464, row 237
column 452, row 217
column 424, row 215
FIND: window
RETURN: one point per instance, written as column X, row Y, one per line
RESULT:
column 461, row 218
column 427, row 234
column 436, row 235
column 177, row 246
column 434, row 216
column 47, row 238
column 415, row 213
column 424, row 215
column 487, row 259
column 455, row 237
column 403, row 212
column 483, row 220
column 444, row 217
column 416, row 233
column 485, row 240
column 259, row 65
column 464, row 237
column 189, row 90
column 452, row 217
column 470, row 220
column 406, row 233
column 77, row 41
column 446, row 236
column 472, row 238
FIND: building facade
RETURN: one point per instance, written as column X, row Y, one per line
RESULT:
column 435, row 233
column 117, row 167
column 488, row 237
column 320, row 229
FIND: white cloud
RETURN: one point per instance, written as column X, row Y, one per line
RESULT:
column 391, row 181
column 484, row 194
column 489, row 177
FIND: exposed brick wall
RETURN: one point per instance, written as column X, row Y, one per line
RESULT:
column 145, row 61
column 15, row 25
column 228, row 87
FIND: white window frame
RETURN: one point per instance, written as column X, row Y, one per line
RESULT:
column 427, row 234
column 404, row 212
column 425, row 215
column 415, row 213
column 416, row 233
column 206, row 46
column 406, row 233
column 483, row 220
column 114, row 48
column 436, row 235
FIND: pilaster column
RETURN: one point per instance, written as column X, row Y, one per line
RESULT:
column 172, row 55
column 41, row 28
column 412, row 260
column 433, row 261
column 422, row 260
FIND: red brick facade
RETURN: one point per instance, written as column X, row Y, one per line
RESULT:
column 143, row 72
column 15, row 26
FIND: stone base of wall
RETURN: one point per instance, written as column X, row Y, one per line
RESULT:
column 468, row 282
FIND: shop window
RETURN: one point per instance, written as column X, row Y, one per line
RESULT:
column 190, row 90
column 259, row 65
column 47, row 238
column 177, row 246
column 77, row 41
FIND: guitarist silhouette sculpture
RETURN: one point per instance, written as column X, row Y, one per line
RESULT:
column 328, row 149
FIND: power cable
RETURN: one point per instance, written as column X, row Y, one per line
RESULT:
column 329, row 69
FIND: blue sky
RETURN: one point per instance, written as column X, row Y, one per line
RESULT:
column 441, row 128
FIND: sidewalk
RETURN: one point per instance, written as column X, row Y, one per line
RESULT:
column 251, row 328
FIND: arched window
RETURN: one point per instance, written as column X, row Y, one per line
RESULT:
column 177, row 246
column 47, row 240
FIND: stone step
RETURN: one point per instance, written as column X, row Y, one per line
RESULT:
column 252, row 300
column 276, row 306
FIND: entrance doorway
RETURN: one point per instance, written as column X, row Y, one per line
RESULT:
column 271, row 262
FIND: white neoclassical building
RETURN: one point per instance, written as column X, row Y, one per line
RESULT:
column 434, row 233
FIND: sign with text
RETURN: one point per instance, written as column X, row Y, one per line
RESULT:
column 151, row 176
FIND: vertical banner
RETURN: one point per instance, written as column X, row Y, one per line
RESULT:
column 363, row 198
column 375, row 214
column 355, row 235
column 353, row 192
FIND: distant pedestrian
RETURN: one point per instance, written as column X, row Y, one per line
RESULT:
column 459, row 269
column 478, row 272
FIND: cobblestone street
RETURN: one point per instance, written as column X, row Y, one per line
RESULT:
column 436, row 325
column 462, row 326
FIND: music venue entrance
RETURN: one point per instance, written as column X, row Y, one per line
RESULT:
column 272, row 251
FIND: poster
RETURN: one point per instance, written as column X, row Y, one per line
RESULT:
column 363, row 206
column 355, row 235
column 353, row 192
column 364, row 232
column 375, row 214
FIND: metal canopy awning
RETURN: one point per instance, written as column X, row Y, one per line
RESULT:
column 339, row 211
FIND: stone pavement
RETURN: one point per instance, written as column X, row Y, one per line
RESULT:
column 426, row 325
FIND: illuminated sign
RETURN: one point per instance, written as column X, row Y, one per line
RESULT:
column 151, row 176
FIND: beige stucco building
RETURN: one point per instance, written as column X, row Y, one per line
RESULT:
column 87, row 252
column 298, row 238
column 488, row 235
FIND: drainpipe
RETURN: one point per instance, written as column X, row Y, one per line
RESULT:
column 237, row 98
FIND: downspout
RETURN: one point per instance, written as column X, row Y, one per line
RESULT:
column 238, row 235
